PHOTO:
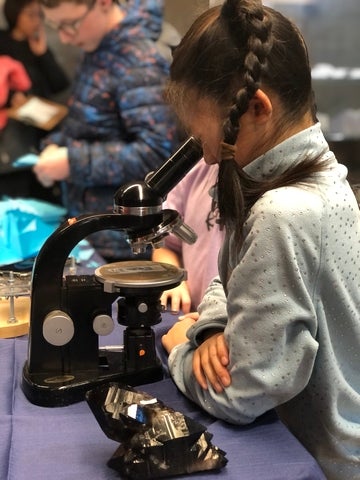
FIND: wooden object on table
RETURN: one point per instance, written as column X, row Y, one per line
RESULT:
column 39, row 112
column 14, row 303
column 20, row 325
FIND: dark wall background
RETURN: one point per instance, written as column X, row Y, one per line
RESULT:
column 332, row 33
column 331, row 30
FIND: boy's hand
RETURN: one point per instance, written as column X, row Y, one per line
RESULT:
column 53, row 165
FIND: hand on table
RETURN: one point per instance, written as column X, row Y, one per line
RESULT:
column 178, row 298
column 52, row 166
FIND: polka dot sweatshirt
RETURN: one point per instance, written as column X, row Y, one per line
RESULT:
column 290, row 310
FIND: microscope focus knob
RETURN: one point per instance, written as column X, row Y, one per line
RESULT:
column 103, row 324
column 143, row 307
column 58, row 328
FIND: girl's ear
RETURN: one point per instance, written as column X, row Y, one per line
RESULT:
column 260, row 107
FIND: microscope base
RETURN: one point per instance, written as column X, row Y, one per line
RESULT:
column 65, row 389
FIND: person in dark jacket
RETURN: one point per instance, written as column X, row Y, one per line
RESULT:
column 25, row 41
column 118, row 128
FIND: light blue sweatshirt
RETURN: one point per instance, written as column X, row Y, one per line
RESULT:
column 291, row 311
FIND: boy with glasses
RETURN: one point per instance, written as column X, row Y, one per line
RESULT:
column 119, row 127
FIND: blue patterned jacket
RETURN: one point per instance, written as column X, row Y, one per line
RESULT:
column 118, row 127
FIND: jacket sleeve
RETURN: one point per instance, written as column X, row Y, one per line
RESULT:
column 147, row 135
column 116, row 162
column 271, row 316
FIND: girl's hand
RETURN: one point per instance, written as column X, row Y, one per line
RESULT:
column 178, row 297
column 210, row 363
column 177, row 333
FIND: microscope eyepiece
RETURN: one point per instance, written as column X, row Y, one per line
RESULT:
column 175, row 168
column 146, row 197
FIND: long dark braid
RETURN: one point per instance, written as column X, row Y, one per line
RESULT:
column 248, row 26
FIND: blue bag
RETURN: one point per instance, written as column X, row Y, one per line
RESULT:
column 25, row 224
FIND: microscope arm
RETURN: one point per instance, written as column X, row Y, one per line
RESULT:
column 50, row 262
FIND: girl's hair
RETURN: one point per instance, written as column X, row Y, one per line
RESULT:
column 12, row 9
column 228, row 53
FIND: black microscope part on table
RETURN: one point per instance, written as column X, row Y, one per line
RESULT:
column 156, row 441
column 64, row 359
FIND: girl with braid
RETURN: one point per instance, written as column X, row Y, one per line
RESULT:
column 280, row 327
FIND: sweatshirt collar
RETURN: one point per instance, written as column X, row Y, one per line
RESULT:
column 309, row 143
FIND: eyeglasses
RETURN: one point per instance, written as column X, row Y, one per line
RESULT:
column 71, row 27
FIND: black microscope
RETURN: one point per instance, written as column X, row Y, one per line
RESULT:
column 68, row 314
